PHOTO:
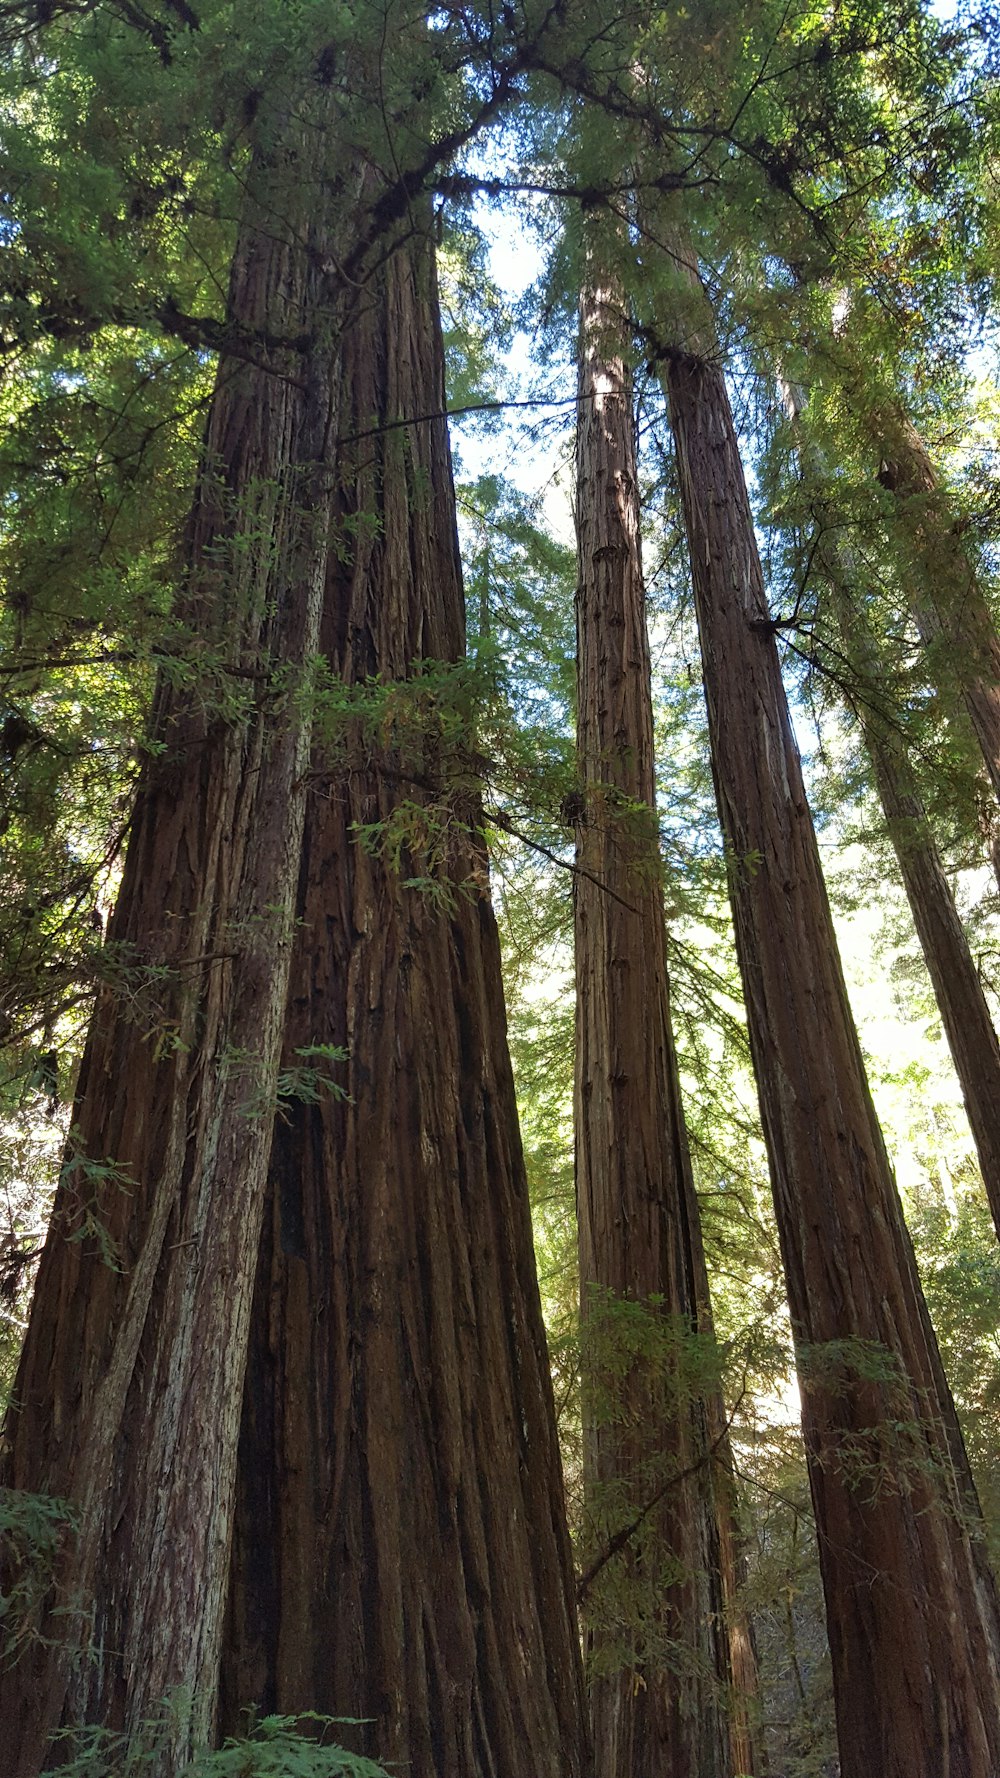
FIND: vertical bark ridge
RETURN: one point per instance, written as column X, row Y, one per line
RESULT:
column 126, row 1400
column 661, row 1678
column 911, row 1603
column 400, row 1551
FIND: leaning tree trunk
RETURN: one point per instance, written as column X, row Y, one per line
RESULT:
column 958, row 990
column 912, row 1609
column 401, row 1553
column 965, row 1015
column 126, row 1404
column 953, row 618
column 654, row 1445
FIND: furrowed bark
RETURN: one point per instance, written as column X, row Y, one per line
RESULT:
column 126, row 1403
column 911, row 1603
column 400, row 1551
column 661, row 1680
column 965, row 1015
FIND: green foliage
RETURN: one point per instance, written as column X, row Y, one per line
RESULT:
column 848, row 219
column 785, row 1599
column 33, row 1532
column 640, row 1367
column 960, row 1268
column 475, row 318
column 310, row 1081
column 623, row 1337
column 278, row 1747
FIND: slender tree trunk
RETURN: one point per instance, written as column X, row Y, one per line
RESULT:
column 400, row 1551
column 912, row 1608
column 655, row 1447
column 958, row 990
column 952, row 615
column 939, row 576
column 955, row 623
column 126, row 1403
column 965, row 1015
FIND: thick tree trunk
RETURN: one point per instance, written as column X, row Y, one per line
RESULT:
column 401, row 1552
column 126, row 1401
column 654, row 1446
column 912, row 1608
column 951, row 613
column 958, row 990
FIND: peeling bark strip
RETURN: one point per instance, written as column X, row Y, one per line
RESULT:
column 127, row 1398
column 662, row 1676
column 911, row 1603
column 400, row 1550
column 944, row 943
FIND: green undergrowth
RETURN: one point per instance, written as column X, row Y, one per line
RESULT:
column 276, row 1748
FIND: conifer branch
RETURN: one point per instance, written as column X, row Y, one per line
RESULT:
column 624, row 1536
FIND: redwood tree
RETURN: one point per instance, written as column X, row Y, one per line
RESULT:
column 126, row 1401
column 654, row 1452
column 958, row 990
column 400, row 1551
column 948, row 603
column 912, row 1608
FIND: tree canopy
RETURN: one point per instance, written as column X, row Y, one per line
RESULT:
column 799, row 201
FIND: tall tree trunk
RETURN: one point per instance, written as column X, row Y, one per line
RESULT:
column 912, row 1609
column 654, row 1430
column 951, row 612
column 939, row 576
column 126, row 1403
column 958, row 990
column 400, row 1551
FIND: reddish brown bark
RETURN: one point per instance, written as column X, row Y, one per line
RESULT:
column 958, row 990
column 912, row 1608
column 400, row 1551
column 126, row 1401
column 657, row 1612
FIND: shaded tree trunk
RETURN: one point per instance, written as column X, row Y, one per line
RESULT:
column 401, row 1552
column 951, row 613
column 912, row 1608
column 949, row 605
column 126, row 1403
column 958, row 990
column 655, row 1448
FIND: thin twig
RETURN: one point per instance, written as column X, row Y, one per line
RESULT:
column 499, row 819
